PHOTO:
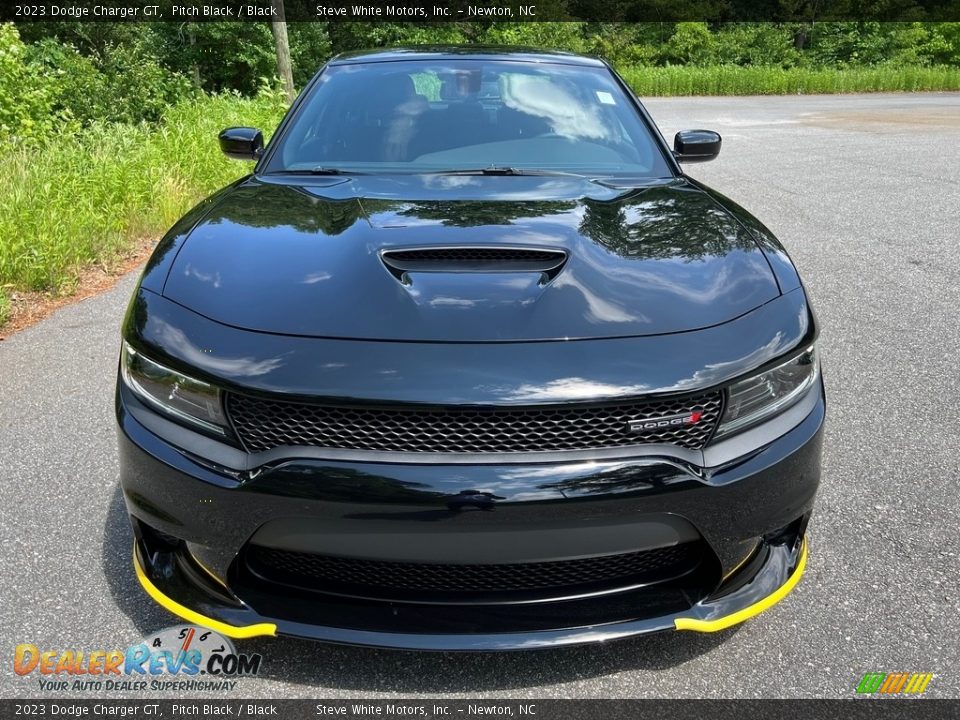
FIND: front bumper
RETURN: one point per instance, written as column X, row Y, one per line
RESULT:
column 774, row 580
column 193, row 523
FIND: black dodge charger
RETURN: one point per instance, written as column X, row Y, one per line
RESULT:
column 467, row 362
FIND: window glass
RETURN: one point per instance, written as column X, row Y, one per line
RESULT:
column 435, row 115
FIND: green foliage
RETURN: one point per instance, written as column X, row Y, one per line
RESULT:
column 691, row 44
column 89, row 196
column 230, row 55
column 128, row 85
column 139, row 87
column 219, row 55
column 49, row 89
column 764, row 44
column 4, row 307
column 347, row 36
column 76, row 87
column 558, row 35
column 873, row 43
column 627, row 43
column 26, row 99
column 95, row 39
column 945, row 43
column 733, row 80
column 310, row 47
column 694, row 43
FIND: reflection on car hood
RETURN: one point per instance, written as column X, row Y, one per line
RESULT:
column 301, row 256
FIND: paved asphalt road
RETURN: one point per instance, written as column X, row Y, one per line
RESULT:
column 865, row 193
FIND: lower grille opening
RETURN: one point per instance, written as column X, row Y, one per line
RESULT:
column 298, row 597
column 472, row 583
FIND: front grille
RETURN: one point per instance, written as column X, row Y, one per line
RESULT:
column 264, row 424
column 406, row 580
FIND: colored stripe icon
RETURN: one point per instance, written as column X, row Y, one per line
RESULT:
column 894, row 683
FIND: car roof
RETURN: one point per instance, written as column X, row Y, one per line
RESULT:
column 465, row 52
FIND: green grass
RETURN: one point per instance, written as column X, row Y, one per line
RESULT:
column 4, row 308
column 84, row 199
column 736, row 80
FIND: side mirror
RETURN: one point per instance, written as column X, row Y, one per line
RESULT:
column 696, row 145
column 241, row 143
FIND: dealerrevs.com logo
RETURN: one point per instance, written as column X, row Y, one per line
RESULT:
column 180, row 658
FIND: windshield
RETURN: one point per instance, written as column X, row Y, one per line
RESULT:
column 447, row 115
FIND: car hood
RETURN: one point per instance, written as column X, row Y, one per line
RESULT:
column 305, row 259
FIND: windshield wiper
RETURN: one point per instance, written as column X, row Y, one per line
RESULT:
column 490, row 170
column 318, row 170
column 506, row 170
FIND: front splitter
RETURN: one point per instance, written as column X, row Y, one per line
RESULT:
column 185, row 595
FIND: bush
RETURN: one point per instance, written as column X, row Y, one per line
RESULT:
column 347, row 36
column 756, row 44
column 26, row 99
column 874, row 43
column 554, row 36
column 76, row 87
column 127, row 85
column 944, row 46
column 691, row 44
column 309, row 49
column 139, row 87
column 626, row 43
column 50, row 89
column 224, row 55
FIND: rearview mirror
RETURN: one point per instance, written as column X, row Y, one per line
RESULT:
column 696, row 145
column 241, row 143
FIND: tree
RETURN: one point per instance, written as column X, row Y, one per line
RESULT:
column 283, row 48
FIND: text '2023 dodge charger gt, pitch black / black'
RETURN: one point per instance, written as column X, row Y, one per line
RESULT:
column 467, row 362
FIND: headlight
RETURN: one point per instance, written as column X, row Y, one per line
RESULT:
column 192, row 401
column 757, row 398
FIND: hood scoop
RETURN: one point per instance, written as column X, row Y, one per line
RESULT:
column 548, row 262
